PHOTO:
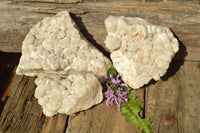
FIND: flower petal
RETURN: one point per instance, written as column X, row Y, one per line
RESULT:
column 123, row 84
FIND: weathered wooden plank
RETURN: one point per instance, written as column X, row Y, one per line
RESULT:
column 193, row 1
column 15, row 23
column 101, row 119
column 183, row 18
column 22, row 113
column 7, row 63
column 7, row 87
column 78, row 1
column 173, row 103
column 53, row 1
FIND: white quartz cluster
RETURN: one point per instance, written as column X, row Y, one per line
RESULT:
column 75, row 93
column 140, row 51
column 54, row 47
column 68, row 67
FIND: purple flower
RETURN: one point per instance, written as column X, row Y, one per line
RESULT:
column 115, row 81
column 122, row 95
column 119, row 103
column 118, row 96
column 109, row 94
column 123, row 84
column 111, row 97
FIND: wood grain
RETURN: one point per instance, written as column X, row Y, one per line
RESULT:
column 7, row 62
column 172, row 103
column 53, row 1
column 22, row 114
column 101, row 119
column 79, row 1
column 182, row 18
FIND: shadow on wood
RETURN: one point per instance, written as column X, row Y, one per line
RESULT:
column 7, row 63
column 174, row 65
column 89, row 37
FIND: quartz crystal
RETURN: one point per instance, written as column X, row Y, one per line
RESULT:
column 75, row 93
column 68, row 67
column 140, row 51
column 54, row 47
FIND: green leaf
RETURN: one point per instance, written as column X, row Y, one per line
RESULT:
column 131, row 112
column 127, row 89
column 135, row 105
column 146, row 121
column 111, row 71
column 131, row 119
column 132, row 96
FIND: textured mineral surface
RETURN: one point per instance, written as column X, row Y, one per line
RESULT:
column 75, row 93
column 68, row 67
column 54, row 47
column 140, row 51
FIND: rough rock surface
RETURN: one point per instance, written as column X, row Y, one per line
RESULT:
column 140, row 51
column 75, row 93
column 54, row 47
column 69, row 67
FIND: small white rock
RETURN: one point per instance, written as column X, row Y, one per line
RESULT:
column 75, row 93
column 140, row 51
